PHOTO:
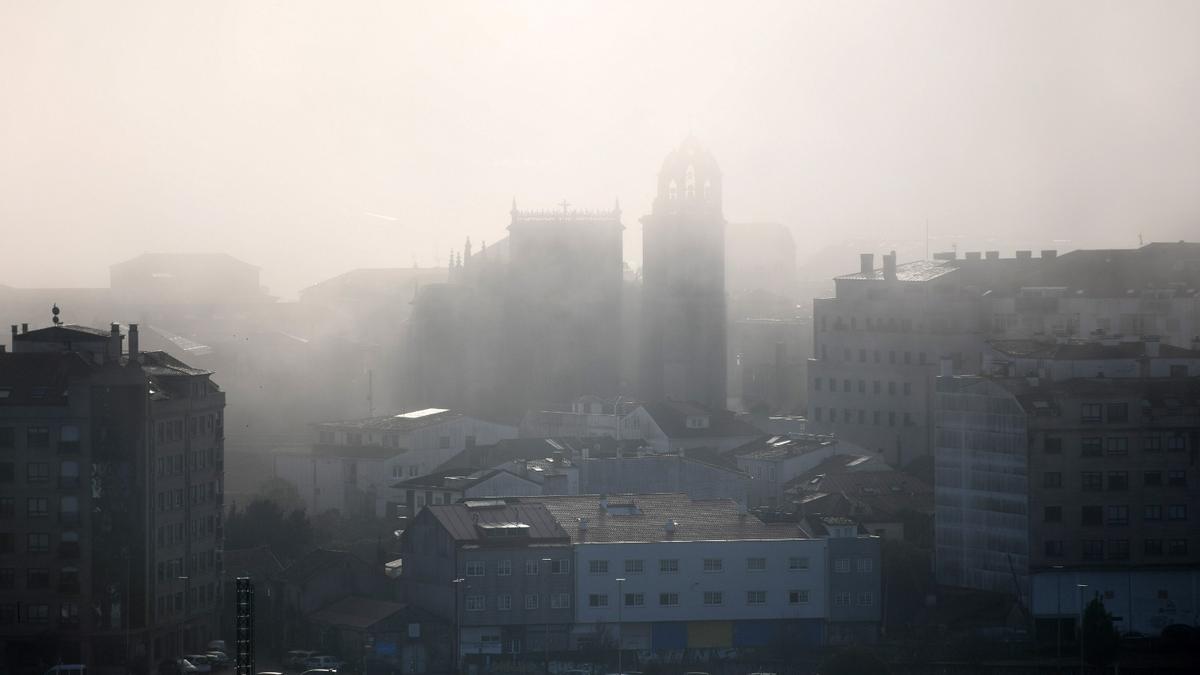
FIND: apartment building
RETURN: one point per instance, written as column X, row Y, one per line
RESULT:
column 888, row 332
column 1091, row 480
column 110, row 514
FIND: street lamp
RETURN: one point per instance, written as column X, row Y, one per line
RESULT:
column 620, row 626
column 546, row 625
column 456, row 584
column 1080, row 588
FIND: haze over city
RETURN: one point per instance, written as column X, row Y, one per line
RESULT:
column 309, row 138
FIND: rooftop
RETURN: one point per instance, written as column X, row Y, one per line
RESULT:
column 918, row 270
column 480, row 521
column 783, row 447
column 356, row 612
column 401, row 422
column 672, row 417
column 1078, row 351
column 645, row 518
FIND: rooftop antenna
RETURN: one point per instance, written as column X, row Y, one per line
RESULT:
column 1140, row 242
column 54, row 314
column 370, row 393
column 927, row 239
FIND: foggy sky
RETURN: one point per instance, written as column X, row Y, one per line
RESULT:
column 273, row 130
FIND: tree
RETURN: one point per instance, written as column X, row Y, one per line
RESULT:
column 853, row 661
column 265, row 522
column 1100, row 638
column 283, row 493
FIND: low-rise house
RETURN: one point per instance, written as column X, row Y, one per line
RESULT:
column 352, row 462
column 673, row 426
column 773, row 461
column 884, row 501
column 450, row 486
column 378, row 637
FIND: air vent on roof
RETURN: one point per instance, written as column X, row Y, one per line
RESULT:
column 477, row 504
column 670, row 526
column 502, row 530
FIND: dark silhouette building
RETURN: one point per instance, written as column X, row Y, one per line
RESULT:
column 683, row 322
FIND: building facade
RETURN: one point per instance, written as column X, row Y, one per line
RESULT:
column 111, row 536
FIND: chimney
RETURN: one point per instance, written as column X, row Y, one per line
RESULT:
column 866, row 263
column 604, row 502
column 114, row 342
column 583, row 524
column 1024, row 255
column 889, row 266
column 946, row 367
column 24, row 328
column 3, row 349
column 1151, row 342
column 14, row 335
column 973, row 255
column 669, row 528
column 133, row 341
column 992, row 255
column 1049, row 254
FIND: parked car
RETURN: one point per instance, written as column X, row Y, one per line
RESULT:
column 185, row 667
column 200, row 661
column 323, row 662
column 219, row 659
column 297, row 657
column 320, row 671
column 217, row 646
column 68, row 669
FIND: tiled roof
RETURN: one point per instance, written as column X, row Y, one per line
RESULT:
column 672, row 416
column 317, row 560
column 452, row 479
column 781, row 447
column 162, row 364
column 879, row 493
column 356, row 612
column 460, row 520
column 644, row 517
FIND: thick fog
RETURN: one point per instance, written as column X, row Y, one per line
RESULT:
column 312, row 137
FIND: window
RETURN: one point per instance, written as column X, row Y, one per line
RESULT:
column 504, row 568
column 891, row 388
column 635, row 600
column 1118, row 480
column 1118, row 412
column 597, row 567
column 1176, row 478
column 1116, row 445
column 475, row 603
column 1091, row 515
column 1093, row 549
column 1052, row 514
column 7, row 544
column 1176, row 443
column 1116, row 515
column 668, row 599
column 866, row 599
column 1052, row 479
column 37, row 613
column 598, row 600
column 1090, row 447
column 635, row 566
column 1152, row 444
column 1118, row 549
column 560, row 601
column 1053, row 445
column 713, row 598
column 841, row 565
column 8, row 578
column 798, row 563
column 443, row 442
column 475, row 568
column 68, row 438
column 713, row 565
column 1177, row 547
column 37, row 438
column 1152, row 479
column 7, row 472
column 37, row 542
column 668, row 566
column 37, row 577
column 798, row 597
column 1092, row 481
column 7, row 438
column 504, row 603
column 531, row 568
column 1152, row 547
column 1053, row 548
column 531, row 601
column 841, row 599
column 1152, row 512
column 37, row 472
column 756, row 564
column 1177, row 512
column 560, row 566
column 865, row 564
column 1091, row 412
column 37, row 507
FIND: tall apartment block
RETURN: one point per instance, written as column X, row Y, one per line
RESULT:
column 110, row 507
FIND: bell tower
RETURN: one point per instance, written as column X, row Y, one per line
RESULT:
column 683, row 282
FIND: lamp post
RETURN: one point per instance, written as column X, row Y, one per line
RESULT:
column 1080, row 588
column 546, row 625
column 456, row 583
column 1058, row 569
column 620, row 625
